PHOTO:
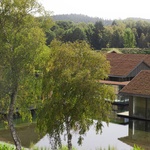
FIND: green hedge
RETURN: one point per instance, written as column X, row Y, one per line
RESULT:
column 128, row 50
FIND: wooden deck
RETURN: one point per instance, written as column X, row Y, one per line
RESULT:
column 124, row 114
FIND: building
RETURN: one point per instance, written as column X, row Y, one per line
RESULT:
column 124, row 68
column 131, row 74
column 138, row 91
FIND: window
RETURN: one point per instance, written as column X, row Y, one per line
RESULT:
column 139, row 107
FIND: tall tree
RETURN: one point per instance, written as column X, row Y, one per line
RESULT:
column 107, row 36
column 73, row 98
column 129, row 38
column 142, row 27
column 97, row 37
column 117, row 37
column 65, row 25
column 89, row 30
column 142, row 41
column 21, row 43
column 60, row 28
column 74, row 34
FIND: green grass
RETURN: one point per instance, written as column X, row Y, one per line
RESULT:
column 11, row 147
column 6, row 147
column 63, row 148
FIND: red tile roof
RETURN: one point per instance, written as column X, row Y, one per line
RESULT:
column 139, row 85
column 147, row 60
column 123, row 64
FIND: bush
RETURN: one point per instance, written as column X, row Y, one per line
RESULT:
column 6, row 147
column 137, row 148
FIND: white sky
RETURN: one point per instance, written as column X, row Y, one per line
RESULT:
column 106, row 9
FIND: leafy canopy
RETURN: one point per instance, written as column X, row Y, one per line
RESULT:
column 73, row 98
column 22, row 42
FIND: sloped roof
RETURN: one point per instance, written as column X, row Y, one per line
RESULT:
column 139, row 85
column 123, row 64
column 147, row 60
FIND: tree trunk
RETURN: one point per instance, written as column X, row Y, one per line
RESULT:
column 69, row 135
column 10, row 121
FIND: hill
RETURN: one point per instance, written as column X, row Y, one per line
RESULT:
column 77, row 18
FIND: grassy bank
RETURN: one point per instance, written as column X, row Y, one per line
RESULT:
column 4, row 146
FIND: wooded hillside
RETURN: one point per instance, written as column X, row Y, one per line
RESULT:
column 80, row 18
column 100, row 33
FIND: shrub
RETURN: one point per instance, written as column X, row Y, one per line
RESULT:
column 137, row 148
column 6, row 147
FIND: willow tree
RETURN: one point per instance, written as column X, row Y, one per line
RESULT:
column 21, row 42
column 73, row 98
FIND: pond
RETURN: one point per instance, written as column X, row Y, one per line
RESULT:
column 122, row 137
column 93, row 141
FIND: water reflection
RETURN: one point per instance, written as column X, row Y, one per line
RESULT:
column 27, row 134
column 138, row 133
column 93, row 141
column 122, row 137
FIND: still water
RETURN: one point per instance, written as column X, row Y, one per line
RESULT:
column 122, row 137
column 93, row 141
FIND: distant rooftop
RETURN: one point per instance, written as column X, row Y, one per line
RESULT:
column 123, row 64
column 139, row 85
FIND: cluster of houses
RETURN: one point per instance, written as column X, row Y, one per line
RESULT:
column 130, row 77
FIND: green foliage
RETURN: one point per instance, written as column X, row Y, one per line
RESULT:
column 45, row 148
column 74, row 34
column 109, row 148
column 97, row 36
column 76, row 18
column 105, row 33
column 73, row 99
column 66, row 148
column 8, row 147
column 129, row 38
column 137, row 148
column 22, row 43
column 128, row 50
column 41, row 148
column 117, row 36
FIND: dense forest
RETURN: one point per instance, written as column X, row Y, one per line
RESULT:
column 128, row 33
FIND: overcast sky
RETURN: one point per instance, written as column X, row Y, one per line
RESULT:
column 106, row 9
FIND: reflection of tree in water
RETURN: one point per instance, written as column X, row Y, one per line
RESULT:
column 27, row 134
column 138, row 133
column 54, row 141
